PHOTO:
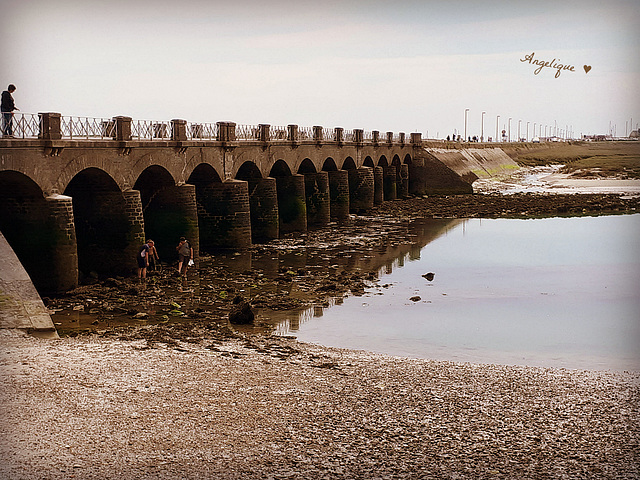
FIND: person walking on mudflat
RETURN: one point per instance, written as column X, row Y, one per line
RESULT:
column 154, row 259
column 143, row 259
column 185, row 255
column 8, row 106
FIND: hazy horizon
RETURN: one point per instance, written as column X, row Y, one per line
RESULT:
column 410, row 66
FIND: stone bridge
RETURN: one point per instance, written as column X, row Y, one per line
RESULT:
column 82, row 206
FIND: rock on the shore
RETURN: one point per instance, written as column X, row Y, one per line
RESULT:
column 241, row 314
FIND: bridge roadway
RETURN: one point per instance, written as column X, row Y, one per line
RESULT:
column 74, row 207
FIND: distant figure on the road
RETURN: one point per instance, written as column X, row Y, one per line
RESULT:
column 185, row 255
column 7, row 107
column 143, row 259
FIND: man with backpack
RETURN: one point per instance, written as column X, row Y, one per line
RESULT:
column 143, row 259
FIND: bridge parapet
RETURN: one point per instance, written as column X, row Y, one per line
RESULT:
column 54, row 126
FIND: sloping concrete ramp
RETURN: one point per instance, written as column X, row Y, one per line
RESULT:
column 452, row 171
column 21, row 307
column 476, row 162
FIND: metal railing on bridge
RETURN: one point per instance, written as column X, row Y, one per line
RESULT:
column 150, row 130
column 24, row 125
column 247, row 132
column 329, row 134
column 278, row 132
column 204, row 131
column 87, row 127
column 30, row 125
column 348, row 136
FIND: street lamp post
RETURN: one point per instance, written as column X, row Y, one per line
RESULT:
column 482, row 128
column 466, row 110
column 497, row 126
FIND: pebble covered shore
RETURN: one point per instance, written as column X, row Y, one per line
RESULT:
column 270, row 408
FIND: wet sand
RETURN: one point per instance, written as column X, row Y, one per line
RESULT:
column 550, row 179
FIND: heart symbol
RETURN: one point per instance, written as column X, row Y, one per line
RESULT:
column 587, row 68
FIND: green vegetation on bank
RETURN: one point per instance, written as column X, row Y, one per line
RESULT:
column 588, row 159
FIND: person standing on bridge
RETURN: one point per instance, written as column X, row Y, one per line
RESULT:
column 7, row 107
column 185, row 256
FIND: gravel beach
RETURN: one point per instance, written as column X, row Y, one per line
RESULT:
column 270, row 407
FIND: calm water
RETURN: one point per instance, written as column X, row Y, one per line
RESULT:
column 562, row 292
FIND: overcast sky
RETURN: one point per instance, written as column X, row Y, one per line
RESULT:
column 401, row 65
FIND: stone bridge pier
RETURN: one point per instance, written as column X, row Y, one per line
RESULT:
column 75, row 208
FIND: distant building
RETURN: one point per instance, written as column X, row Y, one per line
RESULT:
column 596, row 138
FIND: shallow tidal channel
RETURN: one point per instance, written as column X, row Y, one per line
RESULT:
column 558, row 292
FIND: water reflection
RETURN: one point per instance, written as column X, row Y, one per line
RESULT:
column 384, row 260
column 551, row 292
column 387, row 254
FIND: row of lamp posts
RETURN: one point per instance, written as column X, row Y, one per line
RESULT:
column 508, row 133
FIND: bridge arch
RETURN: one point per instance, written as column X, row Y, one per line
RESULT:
column 202, row 174
column 361, row 185
column 402, row 176
column 329, row 165
column 222, row 209
column 263, row 203
column 150, row 181
column 316, row 191
column 292, row 210
column 338, row 190
column 349, row 164
column 280, row 169
column 40, row 232
column 306, row 166
column 169, row 210
column 377, row 179
column 102, row 224
column 248, row 171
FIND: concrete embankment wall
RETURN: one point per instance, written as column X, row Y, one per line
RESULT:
column 21, row 307
column 473, row 163
column 453, row 170
column 515, row 150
